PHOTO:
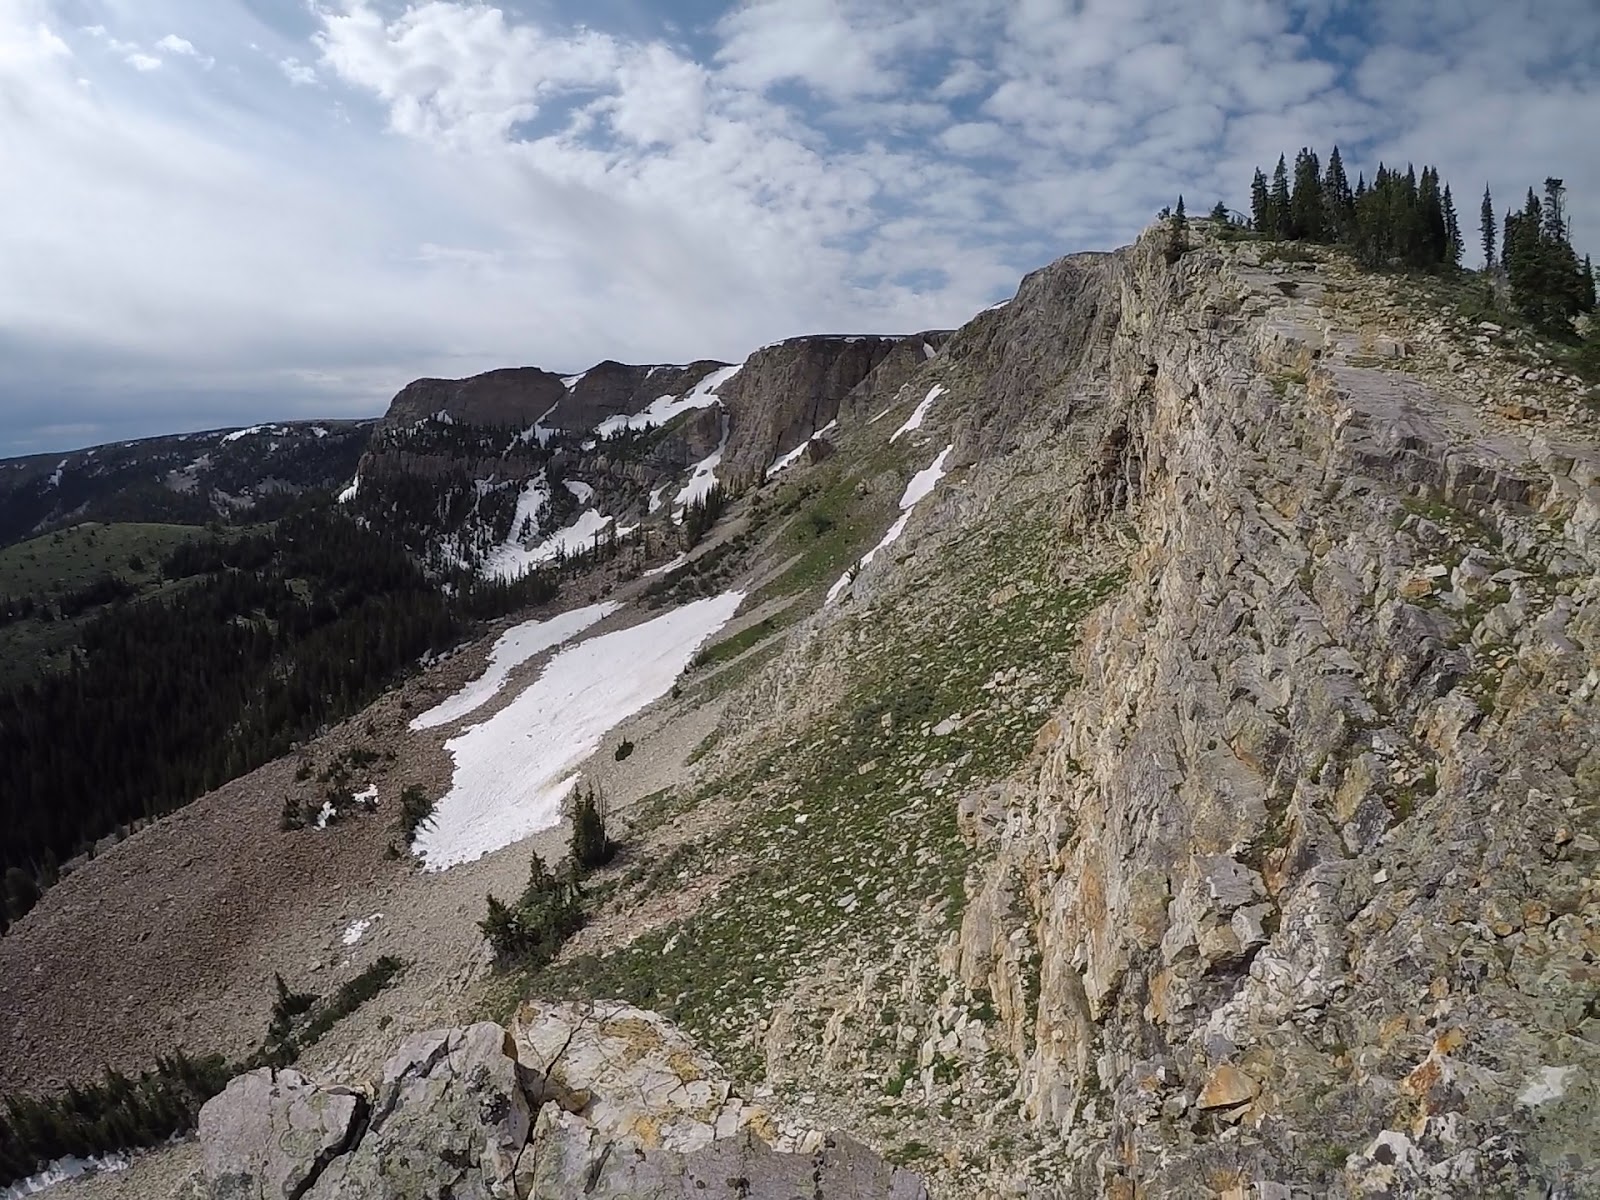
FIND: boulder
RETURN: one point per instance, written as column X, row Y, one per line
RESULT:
column 270, row 1134
column 450, row 1118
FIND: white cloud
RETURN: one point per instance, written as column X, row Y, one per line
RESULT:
column 184, row 48
column 141, row 61
column 297, row 72
column 466, row 187
column 973, row 137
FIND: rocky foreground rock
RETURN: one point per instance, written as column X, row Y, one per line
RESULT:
column 601, row 1100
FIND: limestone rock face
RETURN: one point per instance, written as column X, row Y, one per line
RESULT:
column 1297, row 875
column 787, row 391
column 450, row 1117
column 270, row 1134
column 601, row 1100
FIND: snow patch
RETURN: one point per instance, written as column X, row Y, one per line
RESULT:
column 243, row 433
column 928, row 351
column 666, row 566
column 664, row 408
column 701, row 482
column 513, row 648
column 350, row 492
column 539, row 431
column 914, row 421
column 921, row 485
column 784, row 461
column 571, row 381
column 62, row 1169
column 581, row 490
column 513, row 771
column 354, row 931
column 55, row 476
column 655, row 497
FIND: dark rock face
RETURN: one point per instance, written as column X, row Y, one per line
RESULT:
column 1045, row 351
column 787, row 391
column 610, row 389
column 877, row 391
column 516, row 396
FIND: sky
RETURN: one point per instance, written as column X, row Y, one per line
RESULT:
column 215, row 212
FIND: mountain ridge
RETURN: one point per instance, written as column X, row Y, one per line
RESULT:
column 1186, row 792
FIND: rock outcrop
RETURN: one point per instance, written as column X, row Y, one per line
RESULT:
column 271, row 1134
column 599, row 1100
column 610, row 389
column 789, row 390
column 1303, row 875
column 512, row 396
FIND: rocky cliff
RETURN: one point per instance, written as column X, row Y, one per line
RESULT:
column 512, row 396
column 788, row 391
column 1299, row 890
column 576, row 1100
column 611, row 389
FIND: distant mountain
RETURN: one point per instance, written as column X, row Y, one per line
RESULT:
column 187, row 478
column 511, row 468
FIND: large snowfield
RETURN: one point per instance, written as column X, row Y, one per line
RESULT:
column 513, row 770
column 515, row 647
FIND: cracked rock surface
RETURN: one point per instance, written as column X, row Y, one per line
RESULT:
column 602, row 1100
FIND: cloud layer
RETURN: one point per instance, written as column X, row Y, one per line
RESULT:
column 237, row 211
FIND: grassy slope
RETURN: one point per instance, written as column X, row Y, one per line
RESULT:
column 846, row 843
column 67, row 559
column 58, row 562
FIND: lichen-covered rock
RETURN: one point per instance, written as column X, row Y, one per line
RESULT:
column 598, row 1100
column 270, row 1134
column 1324, row 771
column 737, row 1168
column 449, row 1118
column 638, row 1078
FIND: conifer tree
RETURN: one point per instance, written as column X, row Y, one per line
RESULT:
column 1260, row 205
column 1486, row 225
column 1219, row 213
column 1452, row 227
column 1278, row 201
column 1588, row 285
column 1555, row 210
column 21, row 893
column 1337, row 199
column 1305, row 201
column 591, row 847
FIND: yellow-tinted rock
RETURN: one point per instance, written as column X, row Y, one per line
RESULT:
column 1227, row 1086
